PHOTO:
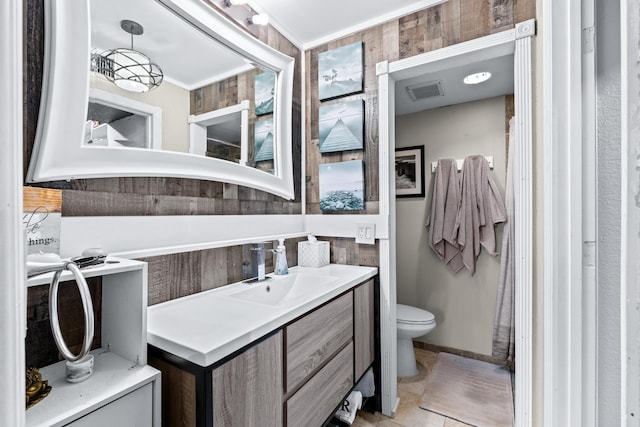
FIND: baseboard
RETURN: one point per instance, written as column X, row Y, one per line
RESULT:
column 471, row 355
column 395, row 407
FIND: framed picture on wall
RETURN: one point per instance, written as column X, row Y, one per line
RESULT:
column 340, row 71
column 410, row 171
column 341, row 126
column 342, row 186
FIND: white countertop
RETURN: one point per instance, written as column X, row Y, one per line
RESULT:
column 205, row 327
column 113, row 377
column 111, row 266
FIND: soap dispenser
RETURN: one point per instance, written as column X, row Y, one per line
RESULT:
column 281, row 258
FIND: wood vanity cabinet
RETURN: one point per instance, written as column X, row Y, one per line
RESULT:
column 327, row 351
column 319, row 397
column 247, row 390
column 315, row 338
column 319, row 362
column 364, row 327
column 243, row 390
column 295, row 376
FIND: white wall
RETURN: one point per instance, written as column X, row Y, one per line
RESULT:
column 630, row 230
column 174, row 102
column 464, row 306
column 609, row 206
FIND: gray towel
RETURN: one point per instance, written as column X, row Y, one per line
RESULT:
column 445, row 203
column 367, row 384
column 481, row 208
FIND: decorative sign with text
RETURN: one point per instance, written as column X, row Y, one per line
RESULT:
column 41, row 219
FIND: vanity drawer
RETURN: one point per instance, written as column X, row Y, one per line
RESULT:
column 313, row 339
column 315, row 401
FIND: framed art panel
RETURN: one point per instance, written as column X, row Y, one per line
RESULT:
column 410, row 171
column 340, row 71
column 341, row 126
column 342, row 186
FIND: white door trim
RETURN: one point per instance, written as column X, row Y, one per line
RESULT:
column 387, row 275
column 518, row 42
column 523, row 236
column 630, row 232
column 13, row 288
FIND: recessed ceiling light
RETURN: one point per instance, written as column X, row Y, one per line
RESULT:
column 474, row 79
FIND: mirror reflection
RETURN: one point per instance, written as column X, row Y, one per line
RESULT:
column 158, row 83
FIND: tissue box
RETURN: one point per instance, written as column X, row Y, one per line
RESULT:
column 313, row 254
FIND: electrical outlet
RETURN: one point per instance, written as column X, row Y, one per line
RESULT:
column 366, row 233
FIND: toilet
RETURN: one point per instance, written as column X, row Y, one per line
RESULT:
column 412, row 322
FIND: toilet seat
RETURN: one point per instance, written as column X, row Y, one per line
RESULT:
column 413, row 315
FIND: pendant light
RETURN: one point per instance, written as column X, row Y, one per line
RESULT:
column 133, row 70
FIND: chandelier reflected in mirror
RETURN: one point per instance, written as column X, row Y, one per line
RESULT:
column 130, row 69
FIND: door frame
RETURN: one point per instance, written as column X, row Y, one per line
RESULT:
column 12, row 276
column 517, row 41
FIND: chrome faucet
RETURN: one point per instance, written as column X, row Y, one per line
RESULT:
column 257, row 263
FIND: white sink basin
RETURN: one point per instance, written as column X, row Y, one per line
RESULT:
column 204, row 328
column 284, row 290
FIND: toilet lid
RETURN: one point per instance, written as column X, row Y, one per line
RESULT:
column 408, row 314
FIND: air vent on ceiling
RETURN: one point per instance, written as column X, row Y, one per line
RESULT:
column 425, row 90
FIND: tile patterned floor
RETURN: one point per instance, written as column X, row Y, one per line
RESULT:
column 410, row 391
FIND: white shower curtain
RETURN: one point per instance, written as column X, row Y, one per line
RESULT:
column 504, row 322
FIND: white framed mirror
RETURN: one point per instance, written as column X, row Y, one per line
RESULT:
column 70, row 138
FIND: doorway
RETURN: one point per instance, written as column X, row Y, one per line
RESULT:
column 516, row 42
column 463, row 303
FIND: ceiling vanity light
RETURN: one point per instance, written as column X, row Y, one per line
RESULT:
column 474, row 79
column 130, row 69
column 259, row 19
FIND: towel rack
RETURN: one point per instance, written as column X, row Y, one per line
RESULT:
column 460, row 161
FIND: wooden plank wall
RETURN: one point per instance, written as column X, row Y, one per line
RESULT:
column 177, row 275
column 33, row 24
column 346, row 251
column 449, row 23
